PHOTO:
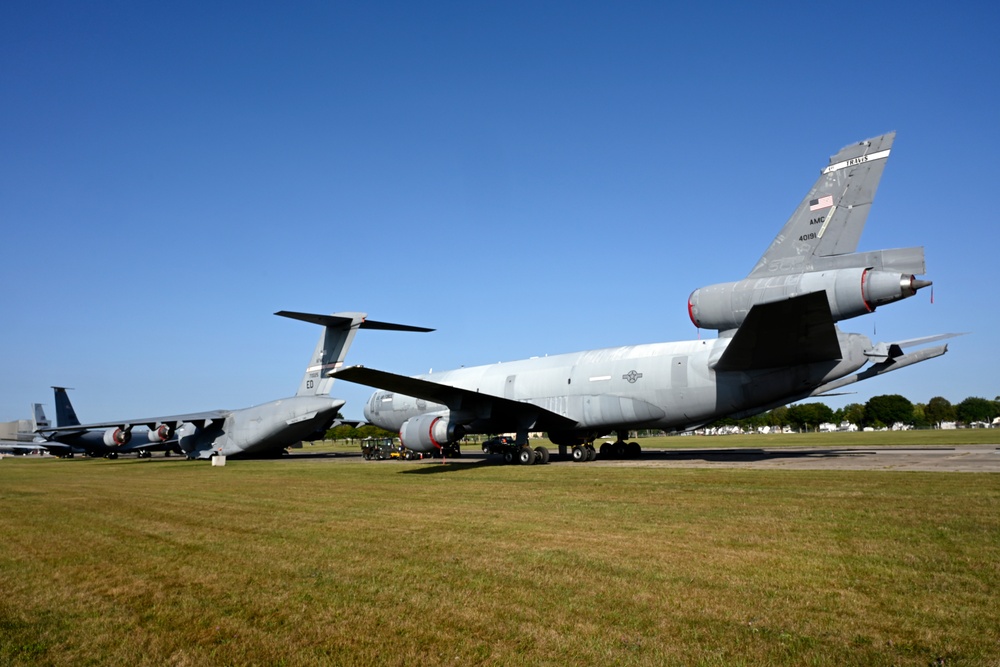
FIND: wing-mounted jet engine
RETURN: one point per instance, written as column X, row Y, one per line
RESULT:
column 116, row 437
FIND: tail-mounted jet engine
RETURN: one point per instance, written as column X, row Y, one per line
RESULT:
column 116, row 437
column 429, row 432
column 851, row 292
column 161, row 433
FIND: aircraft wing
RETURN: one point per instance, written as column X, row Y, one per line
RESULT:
column 469, row 404
column 795, row 331
column 197, row 418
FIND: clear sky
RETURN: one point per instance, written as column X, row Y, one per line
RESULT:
column 528, row 178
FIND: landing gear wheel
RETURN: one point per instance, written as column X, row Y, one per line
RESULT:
column 591, row 452
column 508, row 456
column 619, row 450
column 541, row 455
column 579, row 454
column 633, row 450
column 606, row 450
column 526, row 456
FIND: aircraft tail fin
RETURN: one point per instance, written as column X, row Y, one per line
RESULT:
column 829, row 220
column 38, row 415
column 65, row 414
column 339, row 330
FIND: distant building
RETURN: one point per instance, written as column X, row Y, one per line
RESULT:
column 21, row 430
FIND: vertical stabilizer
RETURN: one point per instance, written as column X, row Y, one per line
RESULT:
column 339, row 330
column 38, row 415
column 65, row 414
column 831, row 217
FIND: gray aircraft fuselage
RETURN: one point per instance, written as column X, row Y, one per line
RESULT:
column 268, row 427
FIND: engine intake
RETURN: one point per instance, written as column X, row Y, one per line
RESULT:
column 116, row 437
column 161, row 433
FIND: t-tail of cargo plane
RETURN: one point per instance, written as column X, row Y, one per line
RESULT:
column 262, row 430
column 778, row 343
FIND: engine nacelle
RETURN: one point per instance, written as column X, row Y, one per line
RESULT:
column 116, row 437
column 161, row 433
column 429, row 432
column 850, row 292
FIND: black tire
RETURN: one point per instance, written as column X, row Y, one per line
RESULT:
column 633, row 450
column 541, row 455
column 508, row 456
column 606, row 450
column 526, row 456
column 579, row 454
column 591, row 452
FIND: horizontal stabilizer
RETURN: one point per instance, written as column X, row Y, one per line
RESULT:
column 795, row 331
column 344, row 320
column 892, row 364
column 471, row 404
column 882, row 351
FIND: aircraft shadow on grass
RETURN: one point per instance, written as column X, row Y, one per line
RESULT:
column 735, row 455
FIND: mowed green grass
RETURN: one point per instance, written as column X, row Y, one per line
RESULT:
column 302, row 562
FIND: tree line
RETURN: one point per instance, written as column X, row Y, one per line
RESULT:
column 879, row 412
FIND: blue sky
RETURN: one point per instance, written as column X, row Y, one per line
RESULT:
column 528, row 178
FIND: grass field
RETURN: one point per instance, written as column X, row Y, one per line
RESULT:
column 305, row 561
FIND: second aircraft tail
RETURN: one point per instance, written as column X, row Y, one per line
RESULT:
column 65, row 414
column 339, row 330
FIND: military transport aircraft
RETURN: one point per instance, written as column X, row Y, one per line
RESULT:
column 777, row 343
column 72, row 438
column 261, row 430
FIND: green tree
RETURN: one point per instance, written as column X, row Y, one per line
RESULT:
column 372, row 431
column 920, row 416
column 778, row 417
column 975, row 409
column 342, row 432
column 854, row 413
column 809, row 415
column 939, row 409
column 888, row 409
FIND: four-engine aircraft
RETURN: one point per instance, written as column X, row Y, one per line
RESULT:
column 261, row 430
column 777, row 343
column 69, row 437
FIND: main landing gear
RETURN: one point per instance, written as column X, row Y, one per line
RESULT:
column 514, row 453
column 620, row 449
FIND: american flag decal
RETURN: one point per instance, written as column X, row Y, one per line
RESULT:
column 822, row 202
